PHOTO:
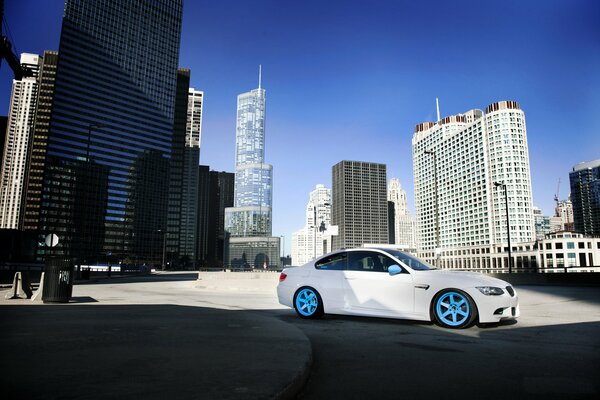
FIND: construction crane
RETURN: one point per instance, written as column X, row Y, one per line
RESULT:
column 556, row 199
column 6, row 52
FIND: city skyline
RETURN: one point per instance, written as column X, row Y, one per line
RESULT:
column 339, row 75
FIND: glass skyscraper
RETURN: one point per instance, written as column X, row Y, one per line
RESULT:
column 248, row 224
column 106, row 178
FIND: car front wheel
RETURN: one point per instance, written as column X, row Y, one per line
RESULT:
column 308, row 303
column 454, row 309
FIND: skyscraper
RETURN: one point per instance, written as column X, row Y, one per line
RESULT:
column 404, row 225
column 307, row 243
column 189, row 198
column 360, row 208
column 456, row 163
column 106, row 175
column 248, row 224
column 21, row 118
column 39, row 142
column 585, row 196
column 215, row 195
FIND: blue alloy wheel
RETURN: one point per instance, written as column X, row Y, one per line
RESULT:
column 453, row 309
column 308, row 303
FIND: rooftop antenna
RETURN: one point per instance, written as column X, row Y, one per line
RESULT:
column 259, row 75
column 437, row 106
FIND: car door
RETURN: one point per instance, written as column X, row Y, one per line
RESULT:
column 369, row 289
column 327, row 279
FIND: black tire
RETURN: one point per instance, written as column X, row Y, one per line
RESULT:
column 454, row 309
column 308, row 303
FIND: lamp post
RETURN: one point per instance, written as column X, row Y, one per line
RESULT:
column 317, row 227
column 498, row 184
column 437, row 208
column 164, row 233
column 283, row 251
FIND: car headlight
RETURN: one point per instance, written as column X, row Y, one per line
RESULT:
column 490, row 290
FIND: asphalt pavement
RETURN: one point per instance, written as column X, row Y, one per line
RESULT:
column 98, row 346
column 224, row 337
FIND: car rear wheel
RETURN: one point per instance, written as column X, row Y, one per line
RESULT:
column 454, row 309
column 308, row 303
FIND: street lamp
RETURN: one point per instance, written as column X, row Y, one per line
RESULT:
column 91, row 127
column 283, row 251
column 317, row 228
column 164, row 233
column 437, row 208
column 498, row 184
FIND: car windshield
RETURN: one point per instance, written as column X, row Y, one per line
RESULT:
column 411, row 261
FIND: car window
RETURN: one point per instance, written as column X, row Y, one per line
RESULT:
column 335, row 262
column 368, row 261
column 412, row 262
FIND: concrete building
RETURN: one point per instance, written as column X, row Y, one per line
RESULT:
column 106, row 174
column 585, row 195
column 360, row 209
column 564, row 211
column 457, row 163
column 248, row 224
column 21, row 118
column 403, row 223
column 307, row 243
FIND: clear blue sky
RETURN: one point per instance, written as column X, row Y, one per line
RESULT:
column 350, row 79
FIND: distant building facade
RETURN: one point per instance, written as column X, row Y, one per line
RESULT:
column 21, row 118
column 403, row 224
column 307, row 243
column 360, row 208
column 585, row 196
column 457, row 163
column 248, row 224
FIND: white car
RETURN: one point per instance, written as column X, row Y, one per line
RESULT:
column 392, row 284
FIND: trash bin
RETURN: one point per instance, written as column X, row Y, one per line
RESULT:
column 58, row 280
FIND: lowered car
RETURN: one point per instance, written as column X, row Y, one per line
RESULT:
column 389, row 283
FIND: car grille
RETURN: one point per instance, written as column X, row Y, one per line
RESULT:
column 510, row 291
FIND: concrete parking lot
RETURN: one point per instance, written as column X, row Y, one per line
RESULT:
column 552, row 352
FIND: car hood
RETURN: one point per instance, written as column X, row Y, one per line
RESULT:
column 458, row 278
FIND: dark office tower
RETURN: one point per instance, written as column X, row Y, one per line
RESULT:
column 39, row 142
column 3, row 122
column 585, row 196
column 360, row 207
column 214, row 195
column 113, row 113
column 391, row 222
column 171, row 242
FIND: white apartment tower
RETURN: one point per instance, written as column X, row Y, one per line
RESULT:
column 457, row 163
column 307, row 243
column 404, row 225
column 21, row 119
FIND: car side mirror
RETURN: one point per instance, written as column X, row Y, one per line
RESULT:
column 394, row 270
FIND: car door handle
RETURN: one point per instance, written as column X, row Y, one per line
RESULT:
column 350, row 278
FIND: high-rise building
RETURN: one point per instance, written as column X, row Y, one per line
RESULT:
column 106, row 178
column 21, row 118
column 564, row 211
column 460, row 164
column 360, row 208
column 248, row 224
column 307, row 243
column 215, row 195
column 188, row 242
column 585, row 196
column 39, row 142
column 403, row 223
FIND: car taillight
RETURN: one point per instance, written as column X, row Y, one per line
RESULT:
column 282, row 277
